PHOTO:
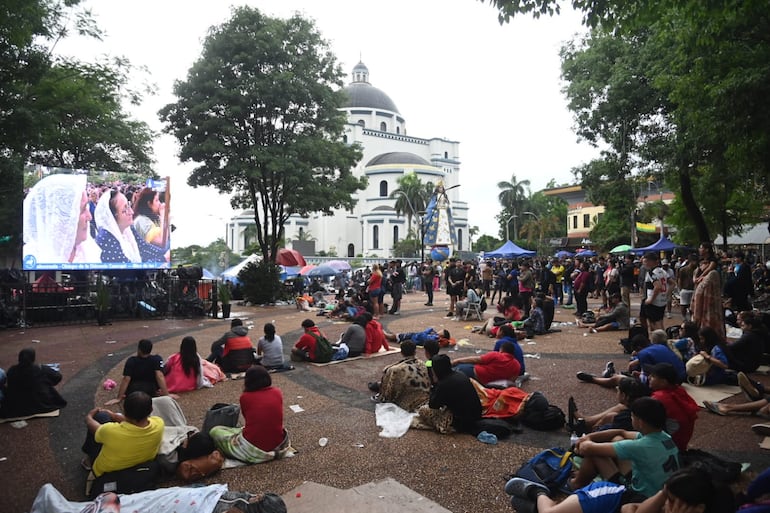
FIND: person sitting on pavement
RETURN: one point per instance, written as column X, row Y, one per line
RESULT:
column 681, row 410
column 688, row 490
column 263, row 437
column 186, row 370
column 375, row 335
column 713, row 351
column 30, row 388
column 233, row 351
column 615, row 417
column 270, row 348
column 651, row 452
column 116, row 441
column 143, row 372
column 304, row 349
column 453, row 404
column 405, row 383
column 745, row 354
column 501, row 365
column 471, row 297
column 535, row 323
column 616, row 319
column 354, row 336
column 506, row 333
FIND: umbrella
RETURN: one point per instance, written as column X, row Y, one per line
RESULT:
column 563, row 254
column 587, row 252
column 322, row 271
column 289, row 257
column 306, row 269
column 623, row 248
column 340, row 265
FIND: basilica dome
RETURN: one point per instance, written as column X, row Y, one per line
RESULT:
column 362, row 94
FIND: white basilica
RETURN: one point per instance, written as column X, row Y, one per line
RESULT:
column 373, row 226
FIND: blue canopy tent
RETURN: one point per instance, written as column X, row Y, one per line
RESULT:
column 662, row 244
column 509, row 250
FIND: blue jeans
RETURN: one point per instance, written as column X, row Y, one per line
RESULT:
column 467, row 369
column 568, row 290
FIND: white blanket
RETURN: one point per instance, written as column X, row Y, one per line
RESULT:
column 176, row 499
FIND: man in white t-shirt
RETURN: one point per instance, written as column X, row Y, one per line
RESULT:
column 655, row 293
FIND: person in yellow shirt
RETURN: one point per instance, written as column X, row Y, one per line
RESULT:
column 116, row 442
column 558, row 272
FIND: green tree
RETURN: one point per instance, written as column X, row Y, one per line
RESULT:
column 259, row 114
column 486, row 243
column 513, row 196
column 216, row 257
column 412, row 193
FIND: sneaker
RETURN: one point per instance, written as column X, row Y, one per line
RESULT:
column 584, row 376
column 609, row 370
column 523, row 505
column 580, row 428
column 428, row 304
column 748, row 387
column 761, row 429
column 450, row 314
column 395, row 313
column 375, row 398
column 524, row 488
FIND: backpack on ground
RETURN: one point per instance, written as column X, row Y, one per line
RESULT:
column 551, row 468
column 540, row 415
column 720, row 470
column 483, row 304
column 323, row 349
column 221, row 414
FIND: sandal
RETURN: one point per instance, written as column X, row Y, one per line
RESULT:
column 85, row 463
column 713, row 408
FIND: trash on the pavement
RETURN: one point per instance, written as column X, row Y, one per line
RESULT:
column 296, row 408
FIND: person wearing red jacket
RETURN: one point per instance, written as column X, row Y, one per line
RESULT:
column 304, row 349
column 681, row 409
column 375, row 336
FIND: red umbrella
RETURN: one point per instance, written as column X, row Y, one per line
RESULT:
column 306, row 269
column 290, row 258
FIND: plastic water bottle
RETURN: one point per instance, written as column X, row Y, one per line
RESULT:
column 573, row 439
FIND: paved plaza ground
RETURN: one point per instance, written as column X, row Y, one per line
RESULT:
column 457, row 472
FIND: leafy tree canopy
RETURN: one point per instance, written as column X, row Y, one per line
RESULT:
column 259, row 114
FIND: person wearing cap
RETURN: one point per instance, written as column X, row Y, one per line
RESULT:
column 681, row 410
column 655, row 287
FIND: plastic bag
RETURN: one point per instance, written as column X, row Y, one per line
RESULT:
column 393, row 420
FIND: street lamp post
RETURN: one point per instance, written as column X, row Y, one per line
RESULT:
column 507, row 223
column 540, row 235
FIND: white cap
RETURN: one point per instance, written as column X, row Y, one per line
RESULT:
column 664, row 262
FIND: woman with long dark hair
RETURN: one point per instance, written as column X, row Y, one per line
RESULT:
column 148, row 221
column 186, row 370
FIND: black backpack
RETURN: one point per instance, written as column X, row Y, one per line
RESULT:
column 542, row 416
column 483, row 304
column 720, row 470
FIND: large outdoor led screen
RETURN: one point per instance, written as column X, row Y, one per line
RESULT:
column 83, row 220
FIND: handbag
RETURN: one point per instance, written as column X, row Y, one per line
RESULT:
column 221, row 414
column 697, row 368
column 200, row 467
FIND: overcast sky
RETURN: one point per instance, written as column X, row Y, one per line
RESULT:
column 452, row 70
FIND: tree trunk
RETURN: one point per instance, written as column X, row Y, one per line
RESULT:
column 688, row 200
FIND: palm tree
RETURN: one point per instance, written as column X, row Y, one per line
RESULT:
column 512, row 196
column 411, row 196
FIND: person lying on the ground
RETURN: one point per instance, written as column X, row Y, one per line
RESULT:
column 648, row 452
column 615, row 417
column 510, row 309
column 616, row 319
column 263, row 437
column 143, row 372
column 491, row 366
column 214, row 498
column 30, row 388
column 507, row 333
column 453, row 394
column 644, row 353
column 681, row 409
column 405, row 383
column 116, row 441
column 443, row 338
column 688, row 490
